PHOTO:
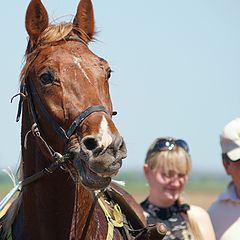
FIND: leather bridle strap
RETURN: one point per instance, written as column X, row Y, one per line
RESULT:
column 59, row 161
column 78, row 120
column 65, row 135
column 31, row 92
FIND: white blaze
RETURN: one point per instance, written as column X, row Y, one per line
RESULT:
column 77, row 61
column 105, row 133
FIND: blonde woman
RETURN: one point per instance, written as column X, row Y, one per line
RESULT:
column 167, row 167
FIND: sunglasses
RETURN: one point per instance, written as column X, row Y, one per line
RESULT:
column 163, row 144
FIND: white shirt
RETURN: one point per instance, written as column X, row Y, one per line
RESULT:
column 225, row 215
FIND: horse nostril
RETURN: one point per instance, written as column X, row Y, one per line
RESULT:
column 90, row 143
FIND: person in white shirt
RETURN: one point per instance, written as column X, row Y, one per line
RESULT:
column 225, row 211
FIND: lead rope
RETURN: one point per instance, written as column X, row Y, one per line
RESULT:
column 115, row 219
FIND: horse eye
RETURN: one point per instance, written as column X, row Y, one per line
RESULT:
column 109, row 72
column 46, row 78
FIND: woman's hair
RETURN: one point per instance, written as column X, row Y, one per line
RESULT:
column 168, row 158
column 194, row 226
column 168, row 154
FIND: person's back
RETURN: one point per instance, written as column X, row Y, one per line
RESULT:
column 225, row 211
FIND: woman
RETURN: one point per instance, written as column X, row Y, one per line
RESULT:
column 167, row 167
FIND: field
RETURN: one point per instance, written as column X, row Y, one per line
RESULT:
column 201, row 190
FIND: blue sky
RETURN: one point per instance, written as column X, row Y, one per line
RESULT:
column 176, row 71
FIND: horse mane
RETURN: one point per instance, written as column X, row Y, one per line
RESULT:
column 51, row 35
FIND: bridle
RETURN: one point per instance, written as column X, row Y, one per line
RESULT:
column 28, row 90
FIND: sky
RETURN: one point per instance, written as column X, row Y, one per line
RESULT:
column 176, row 72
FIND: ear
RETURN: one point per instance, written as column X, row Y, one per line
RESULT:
column 146, row 170
column 84, row 19
column 36, row 20
column 226, row 165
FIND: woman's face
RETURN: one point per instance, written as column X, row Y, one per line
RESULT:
column 165, row 189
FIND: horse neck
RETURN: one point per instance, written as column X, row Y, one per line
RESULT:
column 48, row 203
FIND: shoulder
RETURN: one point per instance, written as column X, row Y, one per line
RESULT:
column 215, row 207
column 227, row 203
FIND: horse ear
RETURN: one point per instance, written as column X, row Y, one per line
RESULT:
column 84, row 19
column 36, row 20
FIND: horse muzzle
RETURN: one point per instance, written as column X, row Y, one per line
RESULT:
column 96, row 161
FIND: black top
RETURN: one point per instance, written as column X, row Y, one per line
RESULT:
column 171, row 217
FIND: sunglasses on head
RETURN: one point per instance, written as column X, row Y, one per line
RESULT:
column 163, row 144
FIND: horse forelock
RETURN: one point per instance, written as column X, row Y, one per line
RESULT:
column 52, row 34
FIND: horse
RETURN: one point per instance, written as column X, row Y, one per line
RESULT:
column 70, row 145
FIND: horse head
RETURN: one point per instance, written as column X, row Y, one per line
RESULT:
column 67, row 87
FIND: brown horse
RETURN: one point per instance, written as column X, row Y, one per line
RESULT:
column 70, row 145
